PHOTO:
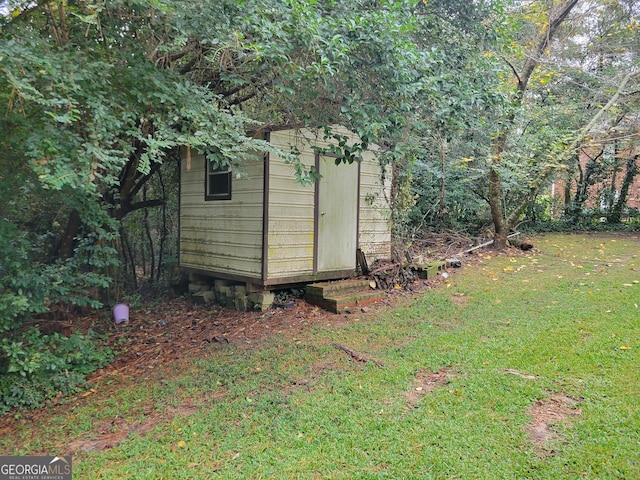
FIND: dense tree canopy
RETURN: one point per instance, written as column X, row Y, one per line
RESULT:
column 477, row 105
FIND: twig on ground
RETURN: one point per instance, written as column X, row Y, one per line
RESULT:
column 356, row 356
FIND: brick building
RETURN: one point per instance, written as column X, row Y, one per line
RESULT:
column 605, row 167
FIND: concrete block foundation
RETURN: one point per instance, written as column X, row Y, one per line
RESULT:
column 238, row 296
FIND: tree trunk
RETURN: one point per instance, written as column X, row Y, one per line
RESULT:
column 586, row 179
column 147, row 229
column 631, row 172
column 67, row 241
column 163, row 230
column 443, row 157
column 568, row 199
column 495, row 203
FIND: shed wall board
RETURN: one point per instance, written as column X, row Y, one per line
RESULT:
column 291, row 212
column 223, row 235
column 375, row 212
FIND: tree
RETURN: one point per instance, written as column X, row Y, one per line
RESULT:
column 550, row 20
column 447, row 116
column 558, row 93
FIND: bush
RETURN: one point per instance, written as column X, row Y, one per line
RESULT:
column 35, row 367
column 586, row 225
column 39, row 367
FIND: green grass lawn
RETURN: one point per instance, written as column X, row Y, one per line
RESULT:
column 466, row 371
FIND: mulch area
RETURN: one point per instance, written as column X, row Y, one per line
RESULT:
column 177, row 329
column 162, row 337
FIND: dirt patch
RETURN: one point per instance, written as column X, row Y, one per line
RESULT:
column 448, row 326
column 460, row 300
column 547, row 413
column 426, row 382
column 511, row 371
column 113, row 431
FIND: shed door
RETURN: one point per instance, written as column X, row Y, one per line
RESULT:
column 337, row 215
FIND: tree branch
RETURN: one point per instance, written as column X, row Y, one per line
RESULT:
column 513, row 69
column 587, row 128
column 132, row 207
column 547, row 35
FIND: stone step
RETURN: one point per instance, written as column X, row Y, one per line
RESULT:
column 332, row 289
column 342, row 303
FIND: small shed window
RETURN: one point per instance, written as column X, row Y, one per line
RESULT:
column 217, row 183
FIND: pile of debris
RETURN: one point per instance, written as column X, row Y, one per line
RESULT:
column 429, row 257
column 390, row 275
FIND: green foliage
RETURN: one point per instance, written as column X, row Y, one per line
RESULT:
column 586, row 223
column 36, row 367
column 39, row 367
column 15, row 303
column 340, row 148
column 28, row 287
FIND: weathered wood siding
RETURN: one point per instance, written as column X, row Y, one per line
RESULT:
column 223, row 236
column 226, row 237
column 375, row 212
column 291, row 212
column 292, row 207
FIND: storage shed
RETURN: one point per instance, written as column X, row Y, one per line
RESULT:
column 268, row 231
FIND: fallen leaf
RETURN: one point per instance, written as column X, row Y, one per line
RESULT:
column 182, row 443
column 625, row 347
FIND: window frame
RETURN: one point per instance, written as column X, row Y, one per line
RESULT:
column 209, row 172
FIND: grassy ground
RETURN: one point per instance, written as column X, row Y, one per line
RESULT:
column 522, row 366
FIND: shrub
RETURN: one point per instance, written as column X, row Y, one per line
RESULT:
column 38, row 367
column 35, row 367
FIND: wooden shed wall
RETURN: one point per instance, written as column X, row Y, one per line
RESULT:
column 222, row 236
column 375, row 212
column 291, row 207
column 226, row 238
column 291, row 212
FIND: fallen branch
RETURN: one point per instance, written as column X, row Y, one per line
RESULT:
column 488, row 243
column 511, row 371
column 356, row 356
